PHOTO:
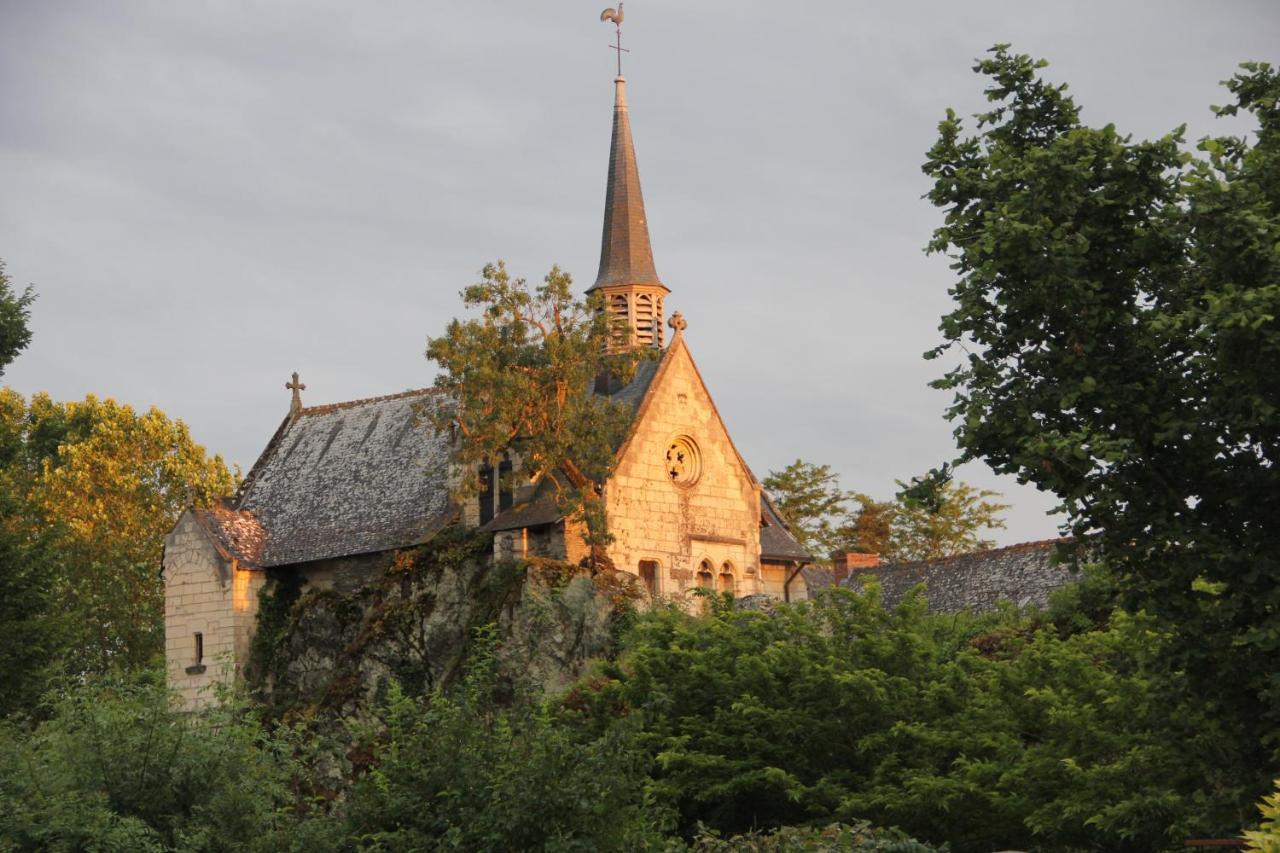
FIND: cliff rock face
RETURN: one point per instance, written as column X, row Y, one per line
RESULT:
column 332, row 637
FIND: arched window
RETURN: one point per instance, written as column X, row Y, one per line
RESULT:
column 706, row 579
column 726, row 578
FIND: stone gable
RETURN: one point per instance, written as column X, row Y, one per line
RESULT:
column 714, row 518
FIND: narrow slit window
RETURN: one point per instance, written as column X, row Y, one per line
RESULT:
column 486, row 494
column 199, row 648
column 649, row 575
column 506, row 494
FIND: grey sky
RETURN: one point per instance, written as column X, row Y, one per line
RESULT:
column 208, row 196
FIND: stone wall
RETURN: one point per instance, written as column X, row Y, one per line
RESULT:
column 208, row 595
column 773, row 581
column 1023, row 575
column 326, row 646
column 715, row 518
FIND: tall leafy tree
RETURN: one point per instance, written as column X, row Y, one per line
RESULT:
column 520, row 376
column 93, row 486
column 938, row 519
column 950, row 522
column 1118, row 306
column 15, row 314
column 811, row 499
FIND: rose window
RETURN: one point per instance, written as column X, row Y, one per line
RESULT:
column 682, row 462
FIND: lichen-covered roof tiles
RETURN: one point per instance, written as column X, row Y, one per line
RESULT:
column 1023, row 574
column 351, row 478
column 776, row 539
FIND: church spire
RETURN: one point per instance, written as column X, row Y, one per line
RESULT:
column 632, row 291
column 626, row 256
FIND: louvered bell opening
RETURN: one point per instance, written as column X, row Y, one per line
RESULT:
column 645, row 314
column 620, row 311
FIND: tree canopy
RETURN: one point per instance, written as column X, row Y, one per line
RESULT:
column 950, row 522
column 90, row 489
column 1117, row 343
column 15, row 314
column 520, row 377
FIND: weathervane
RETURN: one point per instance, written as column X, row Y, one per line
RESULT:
column 616, row 16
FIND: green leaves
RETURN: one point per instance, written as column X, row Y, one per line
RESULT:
column 1116, row 301
column 983, row 733
column 15, row 313
column 520, row 378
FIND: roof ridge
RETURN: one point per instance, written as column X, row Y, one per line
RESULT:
column 325, row 408
column 1036, row 544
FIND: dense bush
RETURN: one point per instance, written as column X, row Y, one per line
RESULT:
column 487, row 767
column 116, row 767
column 983, row 733
column 798, row 729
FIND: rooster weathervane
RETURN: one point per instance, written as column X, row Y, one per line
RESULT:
column 616, row 15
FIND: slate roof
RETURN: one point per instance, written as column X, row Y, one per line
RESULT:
column 626, row 255
column 350, row 478
column 776, row 539
column 1023, row 574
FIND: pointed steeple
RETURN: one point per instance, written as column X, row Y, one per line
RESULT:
column 632, row 290
column 626, row 256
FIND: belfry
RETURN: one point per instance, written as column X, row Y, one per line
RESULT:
column 632, row 290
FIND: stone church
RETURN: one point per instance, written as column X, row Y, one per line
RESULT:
column 341, row 487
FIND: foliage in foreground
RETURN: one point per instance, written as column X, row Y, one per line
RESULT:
column 486, row 768
column 1266, row 838
column 732, row 730
column 1116, row 341
column 988, row 733
column 833, row 838
column 115, row 767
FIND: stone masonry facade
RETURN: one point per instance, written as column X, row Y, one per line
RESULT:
column 209, row 596
column 715, row 518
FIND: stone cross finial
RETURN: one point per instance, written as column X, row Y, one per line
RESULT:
column 678, row 322
column 295, row 386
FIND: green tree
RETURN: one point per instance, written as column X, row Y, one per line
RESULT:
column 868, row 528
column 950, row 523
column 521, row 376
column 488, row 766
column 986, row 733
column 919, row 524
column 1266, row 838
column 92, row 487
column 1118, row 304
column 118, row 767
column 15, row 314
column 811, row 499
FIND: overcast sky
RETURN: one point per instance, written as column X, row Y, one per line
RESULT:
column 208, row 196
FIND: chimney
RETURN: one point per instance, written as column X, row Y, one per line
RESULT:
column 845, row 564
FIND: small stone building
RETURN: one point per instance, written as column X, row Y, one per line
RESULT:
column 340, row 488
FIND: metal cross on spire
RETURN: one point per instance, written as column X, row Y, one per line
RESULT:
column 616, row 15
